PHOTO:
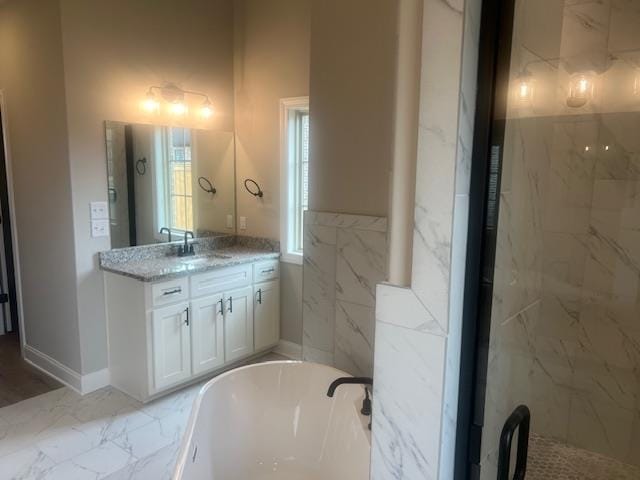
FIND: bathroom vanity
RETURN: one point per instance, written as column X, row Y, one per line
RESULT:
column 172, row 320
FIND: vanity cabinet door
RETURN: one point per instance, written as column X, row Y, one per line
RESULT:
column 266, row 314
column 171, row 345
column 238, row 323
column 207, row 333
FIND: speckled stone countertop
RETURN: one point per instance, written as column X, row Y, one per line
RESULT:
column 160, row 262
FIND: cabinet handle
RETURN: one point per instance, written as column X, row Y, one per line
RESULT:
column 260, row 296
column 269, row 270
column 221, row 312
column 230, row 304
column 172, row 292
column 186, row 322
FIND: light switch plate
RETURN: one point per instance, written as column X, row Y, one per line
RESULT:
column 243, row 223
column 229, row 221
column 99, row 228
column 99, row 211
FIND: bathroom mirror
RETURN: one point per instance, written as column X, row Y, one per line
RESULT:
column 167, row 178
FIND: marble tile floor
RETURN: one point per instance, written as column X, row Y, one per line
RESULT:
column 553, row 460
column 62, row 435
column 18, row 379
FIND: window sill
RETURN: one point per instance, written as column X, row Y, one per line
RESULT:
column 290, row 257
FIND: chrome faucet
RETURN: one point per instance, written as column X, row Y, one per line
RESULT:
column 186, row 249
column 168, row 230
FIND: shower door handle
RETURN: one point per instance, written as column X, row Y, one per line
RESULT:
column 520, row 419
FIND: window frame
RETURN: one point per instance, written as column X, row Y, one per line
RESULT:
column 290, row 108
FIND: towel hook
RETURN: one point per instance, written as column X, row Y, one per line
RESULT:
column 141, row 169
column 208, row 186
column 259, row 193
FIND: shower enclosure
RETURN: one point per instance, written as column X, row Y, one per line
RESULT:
column 556, row 307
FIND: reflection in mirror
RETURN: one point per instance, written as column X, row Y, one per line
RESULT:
column 164, row 181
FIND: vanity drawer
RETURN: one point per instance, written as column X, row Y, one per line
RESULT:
column 169, row 292
column 267, row 270
column 219, row 280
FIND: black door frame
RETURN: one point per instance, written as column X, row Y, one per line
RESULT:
column 490, row 118
column 5, row 220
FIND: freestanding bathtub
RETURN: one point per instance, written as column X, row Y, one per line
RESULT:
column 274, row 421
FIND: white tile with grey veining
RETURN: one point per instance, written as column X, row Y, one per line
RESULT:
column 407, row 404
column 344, row 220
column 311, row 354
column 319, row 287
column 400, row 306
column 361, row 264
column 355, row 326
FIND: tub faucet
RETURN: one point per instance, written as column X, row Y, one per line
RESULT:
column 366, row 381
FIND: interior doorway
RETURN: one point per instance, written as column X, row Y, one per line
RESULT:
column 18, row 379
column 8, row 292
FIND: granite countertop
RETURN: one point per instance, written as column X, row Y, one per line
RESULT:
column 158, row 267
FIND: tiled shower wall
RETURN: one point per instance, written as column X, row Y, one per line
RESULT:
column 566, row 319
column 345, row 256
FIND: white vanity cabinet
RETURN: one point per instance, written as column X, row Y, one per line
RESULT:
column 166, row 334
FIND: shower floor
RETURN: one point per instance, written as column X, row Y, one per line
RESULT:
column 550, row 460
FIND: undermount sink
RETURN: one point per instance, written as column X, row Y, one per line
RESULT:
column 208, row 258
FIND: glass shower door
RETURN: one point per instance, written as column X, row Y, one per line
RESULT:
column 564, row 335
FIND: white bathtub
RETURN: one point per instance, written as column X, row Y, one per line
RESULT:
column 274, row 421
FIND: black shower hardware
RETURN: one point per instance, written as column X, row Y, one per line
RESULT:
column 168, row 230
column 366, row 381
column 253, row 192
column 186, row 250
column 519, row 420
column 206, row 185
column 141, row 166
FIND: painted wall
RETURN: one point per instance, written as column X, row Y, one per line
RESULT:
column 32, row 81
column 353, row 67
column 271, row 62
column 108, row 66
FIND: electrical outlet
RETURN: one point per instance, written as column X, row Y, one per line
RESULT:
column 99, row 228
column 229, row 221
column 243, row 223
column 99, row 211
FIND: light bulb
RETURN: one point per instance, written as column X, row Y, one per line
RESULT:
column 524, row 89
column 206, row 111
column 150, row 103
column 178, row 108
column 580, row 90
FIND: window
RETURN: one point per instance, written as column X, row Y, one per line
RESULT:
column 175, row 194
column 294, row 120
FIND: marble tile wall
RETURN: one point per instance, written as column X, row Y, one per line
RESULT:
column 345, row 256
column 565, row 323
column 418, row 329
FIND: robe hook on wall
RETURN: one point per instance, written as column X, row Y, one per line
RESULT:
column 206, row 185
column 141, row 166
column 252, row 190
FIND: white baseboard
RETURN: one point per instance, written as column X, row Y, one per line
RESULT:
column 95, row 381
column 289, row 349
column 82, row 384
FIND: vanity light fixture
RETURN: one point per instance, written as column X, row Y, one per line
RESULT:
column 524, row 88
column 150, row 103
column 206, row 110
column 176, row 101
column 580, row 89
